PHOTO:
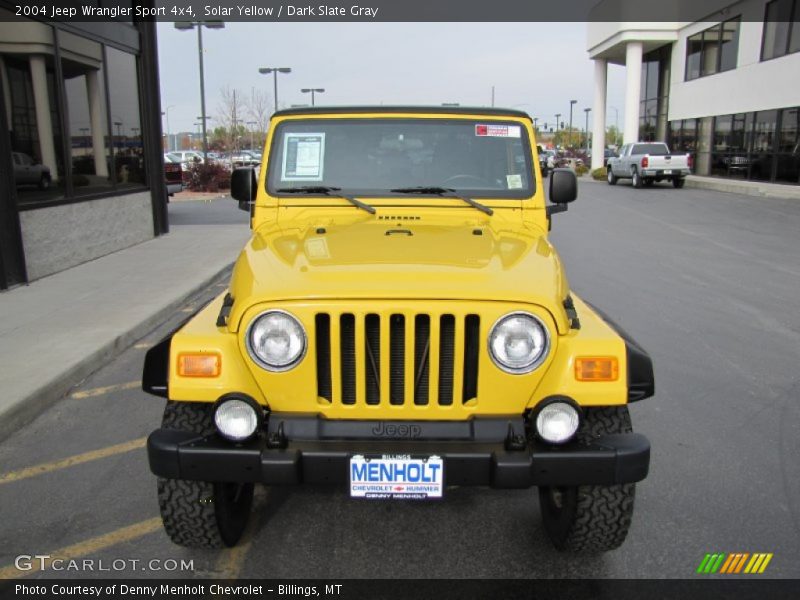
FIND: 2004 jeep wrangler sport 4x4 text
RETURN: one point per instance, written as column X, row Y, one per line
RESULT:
column 397, row 324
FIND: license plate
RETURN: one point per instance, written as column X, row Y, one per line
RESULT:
column 667, row 171
column 396, row 477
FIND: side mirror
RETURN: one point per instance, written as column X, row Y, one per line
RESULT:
column 244, row 187
column 563, row 186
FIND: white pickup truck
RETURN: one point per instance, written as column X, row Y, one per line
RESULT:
column 647, row 162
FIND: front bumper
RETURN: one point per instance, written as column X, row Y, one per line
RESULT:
column 475, row 452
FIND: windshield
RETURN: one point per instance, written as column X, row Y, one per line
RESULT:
column 370, row 157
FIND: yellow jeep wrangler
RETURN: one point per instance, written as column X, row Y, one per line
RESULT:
column 398, row 324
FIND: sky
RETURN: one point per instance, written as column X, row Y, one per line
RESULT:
column 535, row 67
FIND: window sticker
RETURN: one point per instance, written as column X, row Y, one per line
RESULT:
column 303, row 156
column 488, row 130
column 514, row 182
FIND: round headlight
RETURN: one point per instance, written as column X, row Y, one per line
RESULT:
column 276, row 340
column 557, row 422
column 519, row 342
column 236, row 419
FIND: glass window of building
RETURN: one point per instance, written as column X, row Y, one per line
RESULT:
column 126, row 132
column 763, row 144
column 780, row 36
column 787, row 168
column 87, row 118
column 713, row 50
column 28, row 81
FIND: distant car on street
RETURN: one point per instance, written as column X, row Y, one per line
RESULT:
column 28, row 172
column 646, row 163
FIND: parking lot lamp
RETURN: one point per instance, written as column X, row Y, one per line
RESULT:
column 587, row 110
column 274, row 71
column 571, row 104
column 185, row 26
column 313, row 91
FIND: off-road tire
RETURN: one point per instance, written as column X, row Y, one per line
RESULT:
column 636, row 179
column 201, row 514
column 678, row 182
column 590, row 518
column 610, row 177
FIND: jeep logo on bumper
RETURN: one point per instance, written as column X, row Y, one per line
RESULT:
column 390, row 430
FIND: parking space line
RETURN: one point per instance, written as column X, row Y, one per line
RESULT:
column 131, row 385
column 92, row 545
column 72, row 460
column 142, row 345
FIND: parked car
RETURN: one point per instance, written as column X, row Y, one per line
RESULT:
column 547, row 161
column 607, row 154
column 386, row 332
column 646, row 163
column 245, row 158
column 186, row 157
column 173, row 175
column 28, row 172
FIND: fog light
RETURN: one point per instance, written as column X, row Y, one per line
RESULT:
column 236, row 419
column 557, row 422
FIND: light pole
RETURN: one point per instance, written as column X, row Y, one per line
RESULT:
column 535, row 119
column 571, row 104
column 119, row 132
column 166, row 112
column 312, row 90
column 185, row 26
column 251, row 123
column 586, row 110
column 274, row 71
column 616, row 122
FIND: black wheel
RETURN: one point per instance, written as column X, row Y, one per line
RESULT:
column 678, row 182
column 590, row 518
column 636, row 179
column 44, row 182
column 612, row 179
column 201, row 514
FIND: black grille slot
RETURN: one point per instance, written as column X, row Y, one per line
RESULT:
column 397, row 360
column 372, row 352
column 472, row 328
column 422, row 341
column 323, row 337
column 447, row 347
column 347, row 344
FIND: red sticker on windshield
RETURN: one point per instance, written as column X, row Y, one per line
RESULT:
column 498, row 131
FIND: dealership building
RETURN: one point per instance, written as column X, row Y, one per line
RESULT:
column 80, row 143
column 724, row 87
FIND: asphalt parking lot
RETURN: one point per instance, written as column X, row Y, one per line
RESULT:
column 707, row 282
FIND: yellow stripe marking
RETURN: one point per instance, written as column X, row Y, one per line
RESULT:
column 728, row 561
column 131, row 385
column 85, row 547
column 752, row 562
column 72, row 461
column 188, row 309
column 765, row 563
column 757, row 564
column 741, row 562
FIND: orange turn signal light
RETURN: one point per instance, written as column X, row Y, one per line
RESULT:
column 596, row 368
column 199, row 365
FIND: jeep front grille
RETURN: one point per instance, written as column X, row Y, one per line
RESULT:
column 397, row 358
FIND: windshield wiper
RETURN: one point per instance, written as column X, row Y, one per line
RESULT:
column 441, row 191
column 327, row 190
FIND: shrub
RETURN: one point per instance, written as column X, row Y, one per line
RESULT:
column 599, row 173
column 210, row 177
column 581, row 170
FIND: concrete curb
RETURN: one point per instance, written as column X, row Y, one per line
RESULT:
column 27, row 408
column 747, row 188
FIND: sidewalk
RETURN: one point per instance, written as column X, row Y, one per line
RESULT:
column 56, row 331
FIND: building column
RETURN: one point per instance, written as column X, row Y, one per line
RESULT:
column 599, row 107
column 44, row 125
column 633, row 82
column 94, row 91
